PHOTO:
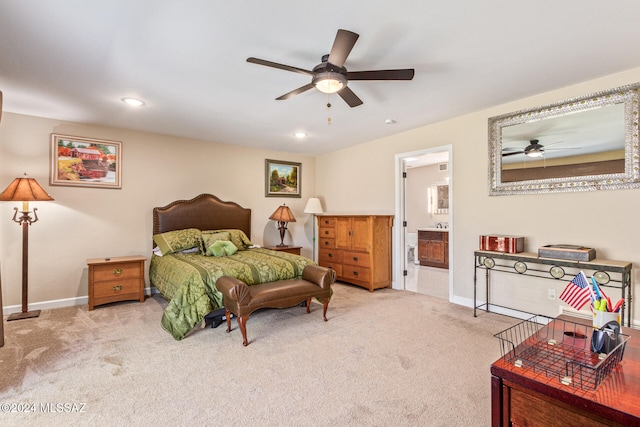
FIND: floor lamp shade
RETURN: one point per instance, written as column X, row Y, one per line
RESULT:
column 313, row 206
column 25, row 190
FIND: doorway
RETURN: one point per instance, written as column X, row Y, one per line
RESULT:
column 424, row 188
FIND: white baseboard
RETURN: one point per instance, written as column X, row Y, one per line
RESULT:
column 59, row 303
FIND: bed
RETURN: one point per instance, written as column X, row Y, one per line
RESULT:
column 186, row 277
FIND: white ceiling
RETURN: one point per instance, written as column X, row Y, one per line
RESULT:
column 75, row 59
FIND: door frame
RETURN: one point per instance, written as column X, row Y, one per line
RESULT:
column 399, row 256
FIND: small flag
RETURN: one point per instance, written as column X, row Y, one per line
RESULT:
column 577, row 292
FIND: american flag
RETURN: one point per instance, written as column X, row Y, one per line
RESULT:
column 577, row 293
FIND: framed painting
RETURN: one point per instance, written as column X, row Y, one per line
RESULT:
column 85, row 162
column 282, row 179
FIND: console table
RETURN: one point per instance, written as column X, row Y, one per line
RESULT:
column 617, row 273
column 521, row 396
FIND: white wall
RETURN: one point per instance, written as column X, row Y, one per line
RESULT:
column 89, row 223
column 612, row 229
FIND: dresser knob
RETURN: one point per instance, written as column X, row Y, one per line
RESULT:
column 355, row 258
column 117, row 271
column 117, row 288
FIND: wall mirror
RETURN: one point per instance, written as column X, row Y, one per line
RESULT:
column 581, row 144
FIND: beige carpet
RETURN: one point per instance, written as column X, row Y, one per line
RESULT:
column 383, row 358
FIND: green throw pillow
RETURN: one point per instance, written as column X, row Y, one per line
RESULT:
column 178, row 240
column 209, row 238
column 239, row 239
column 222, row 248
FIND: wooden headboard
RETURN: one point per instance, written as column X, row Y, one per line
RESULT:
column 204, row 212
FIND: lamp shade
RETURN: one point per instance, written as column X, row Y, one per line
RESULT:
column 283, row 214
column 313, row 206
column 24, row 190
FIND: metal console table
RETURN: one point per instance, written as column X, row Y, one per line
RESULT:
column 518, row 263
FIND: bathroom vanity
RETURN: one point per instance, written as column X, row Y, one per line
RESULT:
column 433, row 247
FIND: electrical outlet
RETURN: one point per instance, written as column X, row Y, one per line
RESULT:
column 551, row 293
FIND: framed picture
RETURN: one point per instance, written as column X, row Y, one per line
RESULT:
column 85, row 162
column 282, row 179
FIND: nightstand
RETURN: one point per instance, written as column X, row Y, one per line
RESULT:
column 289, row 249
column 115, row 279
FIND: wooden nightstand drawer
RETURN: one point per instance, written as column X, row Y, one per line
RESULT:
column 117, row 288
column 115, row 279
column 295, row 250
column 116, row 271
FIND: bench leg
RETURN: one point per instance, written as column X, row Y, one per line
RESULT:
column 308, row 304
column 227, row 314
column 325, row 303
column 242, row 322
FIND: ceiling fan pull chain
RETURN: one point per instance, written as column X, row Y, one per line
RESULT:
column 328, row 109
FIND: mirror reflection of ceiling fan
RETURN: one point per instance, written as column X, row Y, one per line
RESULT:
column 331, row 76
column 534, row 149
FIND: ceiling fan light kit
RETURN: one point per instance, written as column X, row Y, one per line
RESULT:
column 330, row 76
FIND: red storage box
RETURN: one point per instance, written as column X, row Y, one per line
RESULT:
column 507, row 244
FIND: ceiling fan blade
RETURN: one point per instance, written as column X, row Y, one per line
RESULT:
column 295, row 92
column 279, row 66
column 342, row 45
column 405, row 74
column 512, row 153
column 349, row 97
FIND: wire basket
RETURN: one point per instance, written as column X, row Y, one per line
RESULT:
column 559, row 348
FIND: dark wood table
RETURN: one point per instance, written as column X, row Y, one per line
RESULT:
column 522, row 397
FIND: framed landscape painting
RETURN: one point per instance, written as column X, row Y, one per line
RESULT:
column 85, row 162
column 282, row 179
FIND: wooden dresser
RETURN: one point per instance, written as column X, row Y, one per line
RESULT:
column 522, row 397
column 115, row 279
column 357, row 247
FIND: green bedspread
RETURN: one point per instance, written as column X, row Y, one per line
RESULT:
column 187, row 281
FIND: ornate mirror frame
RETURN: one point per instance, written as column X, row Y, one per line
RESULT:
column 627, row 95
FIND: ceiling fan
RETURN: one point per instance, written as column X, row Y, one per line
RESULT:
column 330, row 76
column 534, row 149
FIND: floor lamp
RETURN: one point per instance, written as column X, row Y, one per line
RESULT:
column 313, row 207
column 25, row 190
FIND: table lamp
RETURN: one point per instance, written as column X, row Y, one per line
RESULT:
column 282, row 215
column 25, row 190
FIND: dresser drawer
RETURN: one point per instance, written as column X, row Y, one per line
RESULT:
column 326, row 222
column 327, row 232
column 357, row 258
column 334, row 266
column 330, row 255
column 116, row 287
column 114, row 271
column 324, row 242
column 355, row 272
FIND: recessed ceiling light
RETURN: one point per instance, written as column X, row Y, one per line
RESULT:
column 300, row 135
column 133, row 102
column 389, row 121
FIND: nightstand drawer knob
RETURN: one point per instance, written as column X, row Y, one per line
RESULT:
column 117, row 288
column 117, row 271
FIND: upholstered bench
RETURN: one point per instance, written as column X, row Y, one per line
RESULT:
column 242, row 300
